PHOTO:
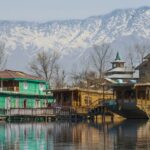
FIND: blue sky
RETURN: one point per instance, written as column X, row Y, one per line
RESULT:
column 45, row 10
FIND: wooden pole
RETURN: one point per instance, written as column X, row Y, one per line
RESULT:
column 72, row 99
column 61, row 99
column 1, row 85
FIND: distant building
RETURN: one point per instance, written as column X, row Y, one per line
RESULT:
column 21, row 90
column 144, row 69
column 119, row 73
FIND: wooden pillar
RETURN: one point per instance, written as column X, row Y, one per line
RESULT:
column 96, row 118
column 57, row 98
column 78, row 103
column 72, row 98
column 61, row 99
column 149, row 93
column 103, row 92
column 112, row 118
column 1, row 85
column 113, row 94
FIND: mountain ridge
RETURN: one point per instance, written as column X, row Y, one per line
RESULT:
column 73, row 38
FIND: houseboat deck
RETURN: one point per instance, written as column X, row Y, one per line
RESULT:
column 46, row 113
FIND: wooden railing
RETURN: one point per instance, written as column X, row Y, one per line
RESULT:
column 30, row 112
column 81, row 110
column 53, row 111
column 36, row 111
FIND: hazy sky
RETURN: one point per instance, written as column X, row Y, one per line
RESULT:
column 45, row 10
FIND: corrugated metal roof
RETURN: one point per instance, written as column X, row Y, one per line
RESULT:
column 121, row 69
column 142, row 84
column 120, row 76
column 10, row 74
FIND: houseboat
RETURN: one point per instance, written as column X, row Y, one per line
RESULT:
column 79, row 99
column 132, row 94
column 132, row 101
column 22, row 94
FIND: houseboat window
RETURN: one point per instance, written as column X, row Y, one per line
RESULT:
column 25, row 85
column 37, row 103
column 141, row 94
column 7, row 103
column 87, row 100
column 79, row 100
column 17, row 103
column 25, row 103
column 41, row 86
column 148, row 95
column 46, row 103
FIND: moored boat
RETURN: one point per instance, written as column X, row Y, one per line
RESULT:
column 132, row 101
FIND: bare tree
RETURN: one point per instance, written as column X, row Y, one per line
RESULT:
column 101, row 57
column 59, row 78
column 3, row 59
column 136, row 53
column 44, row 64
column 142, row 50
column 84, row 78
column 131, row 57
column 76, row 78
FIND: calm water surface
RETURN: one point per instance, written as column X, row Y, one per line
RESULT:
column 126, row 135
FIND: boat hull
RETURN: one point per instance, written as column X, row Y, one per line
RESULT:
column 128, row 110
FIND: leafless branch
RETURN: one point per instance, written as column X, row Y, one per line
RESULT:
column 100, row 58
column 44, row 64
column 3, row 59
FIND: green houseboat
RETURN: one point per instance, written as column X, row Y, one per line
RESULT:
column 22, row 94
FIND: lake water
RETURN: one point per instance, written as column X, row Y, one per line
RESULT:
column 126, row 135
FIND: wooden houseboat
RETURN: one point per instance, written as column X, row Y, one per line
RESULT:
column 22, row 94
column 132, row 101
column 81, row 100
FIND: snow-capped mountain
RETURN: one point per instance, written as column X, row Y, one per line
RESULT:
column 74, row 38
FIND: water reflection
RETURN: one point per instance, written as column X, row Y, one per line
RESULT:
column 127, row 135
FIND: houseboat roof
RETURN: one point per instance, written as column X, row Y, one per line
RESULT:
column 121, row 69
column 147, row 56
column 142, row 84
column 10, row 74
column 120, row 76
column 78, row 89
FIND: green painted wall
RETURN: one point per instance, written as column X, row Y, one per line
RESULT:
column 2, row 101
column 16, row 100
column 28, row 90
column 32, row 87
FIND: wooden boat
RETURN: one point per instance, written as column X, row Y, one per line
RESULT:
column 132, row 101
